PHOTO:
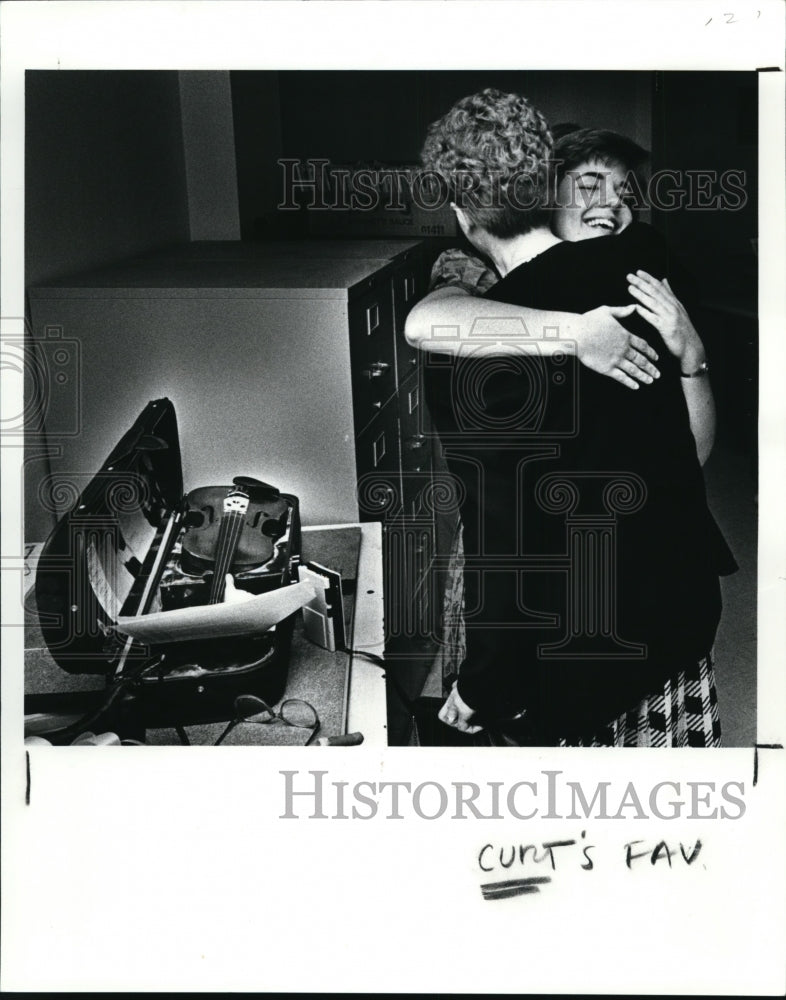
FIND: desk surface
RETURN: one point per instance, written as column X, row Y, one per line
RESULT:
column 347, row 691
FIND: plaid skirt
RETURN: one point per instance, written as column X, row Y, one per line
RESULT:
column 683, row 714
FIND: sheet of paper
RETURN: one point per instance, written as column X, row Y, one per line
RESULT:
column 255, row 615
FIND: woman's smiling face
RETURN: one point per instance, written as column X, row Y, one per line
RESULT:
column 591, row 202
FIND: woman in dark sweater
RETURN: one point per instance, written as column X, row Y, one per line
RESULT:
column 592, row 561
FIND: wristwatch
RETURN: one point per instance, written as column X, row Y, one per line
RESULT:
column 702, row 370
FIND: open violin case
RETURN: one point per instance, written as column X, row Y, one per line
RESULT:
column 127, row 548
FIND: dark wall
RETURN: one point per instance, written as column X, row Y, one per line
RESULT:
column 384, row 115
column 256, row 110
column 353, row 116
column 708, row 122
column 104, row 168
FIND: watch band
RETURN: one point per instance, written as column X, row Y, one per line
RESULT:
column 702, row 370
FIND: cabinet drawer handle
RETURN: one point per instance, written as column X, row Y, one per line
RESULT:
column 376, row 368
column 377, row 404
column 416, row 441
column 378, row 449
column 409, row 287
column 372, row 318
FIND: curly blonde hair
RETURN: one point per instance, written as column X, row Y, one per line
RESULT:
column 491, row 152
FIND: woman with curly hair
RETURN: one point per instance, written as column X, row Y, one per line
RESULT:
column 591, row 559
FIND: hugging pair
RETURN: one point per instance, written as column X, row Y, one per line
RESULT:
column 575, row 426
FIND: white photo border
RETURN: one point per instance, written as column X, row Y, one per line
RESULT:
column 171, row 869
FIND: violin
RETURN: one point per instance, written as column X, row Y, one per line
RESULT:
column 231, row 529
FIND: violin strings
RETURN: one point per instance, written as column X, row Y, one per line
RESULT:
column 229, row 533
column 230, row 530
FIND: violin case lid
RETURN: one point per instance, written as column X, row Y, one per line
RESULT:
column 92, row 564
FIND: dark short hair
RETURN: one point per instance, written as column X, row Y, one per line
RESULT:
column 581, row 144
column 491, row 152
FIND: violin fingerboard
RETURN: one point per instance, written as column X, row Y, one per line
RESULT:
column 229, row 532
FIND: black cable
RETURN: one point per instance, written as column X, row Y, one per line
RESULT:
column 409, row 703
column 119, row 687
column 374, row 657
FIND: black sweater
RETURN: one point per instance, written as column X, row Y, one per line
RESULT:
column 550, row 454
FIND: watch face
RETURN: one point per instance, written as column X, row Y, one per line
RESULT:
column 701, row 370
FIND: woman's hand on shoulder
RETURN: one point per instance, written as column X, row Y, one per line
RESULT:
column 657, row 303
column 605, row 346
